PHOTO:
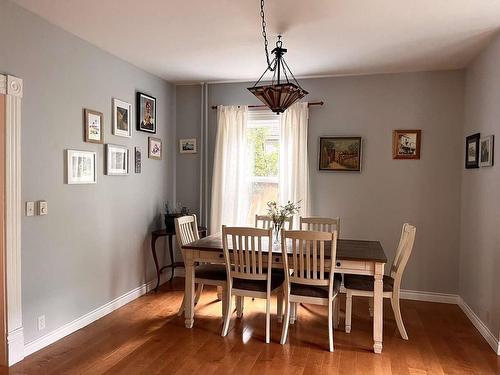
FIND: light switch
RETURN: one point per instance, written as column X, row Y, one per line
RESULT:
column 42, row 208
column 30, row 208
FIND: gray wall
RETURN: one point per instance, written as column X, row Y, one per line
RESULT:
column 480, row 235
column 93, row 246
column 375, row 203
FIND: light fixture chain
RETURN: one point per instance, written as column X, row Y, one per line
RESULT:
column 264, row 34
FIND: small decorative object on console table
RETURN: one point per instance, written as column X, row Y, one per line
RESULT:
column 279, row 214
column 170, row 216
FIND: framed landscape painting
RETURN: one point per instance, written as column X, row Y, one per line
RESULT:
column 187, row 146
column 340, row 154
column 406, row 144
column 94, row 126
column 122, row 118
column 486, row 151
column 472, row 151
column 146, row 113
column 81, row 167
column 116, row 160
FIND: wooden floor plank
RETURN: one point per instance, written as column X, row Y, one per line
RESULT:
column 146, row 337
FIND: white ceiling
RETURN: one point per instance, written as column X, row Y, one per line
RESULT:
column 219, row 40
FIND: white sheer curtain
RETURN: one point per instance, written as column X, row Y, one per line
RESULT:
column 230, row 189
column 294, row 162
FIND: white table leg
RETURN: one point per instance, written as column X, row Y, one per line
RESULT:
column 189, row 289
column 378, row 303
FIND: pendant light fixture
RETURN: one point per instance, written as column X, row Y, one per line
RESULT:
column 281, row 93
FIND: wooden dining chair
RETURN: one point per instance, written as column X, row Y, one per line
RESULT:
column 248, row 272
column 320, row 224
column 186, row 231
column 308, row 278
column 265, row 222
column 360, row 285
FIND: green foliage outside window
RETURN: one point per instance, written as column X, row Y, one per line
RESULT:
column 266, row 163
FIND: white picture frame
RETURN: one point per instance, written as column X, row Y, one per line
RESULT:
column 117, row 160
column 81, row 167
column 122, row 118
column 188, row 146
column 487, row 151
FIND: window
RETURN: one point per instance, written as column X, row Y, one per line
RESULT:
column 263, row 142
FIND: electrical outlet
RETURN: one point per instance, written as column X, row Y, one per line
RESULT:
column 30, row 208
column 42, row 208
column 41, row 322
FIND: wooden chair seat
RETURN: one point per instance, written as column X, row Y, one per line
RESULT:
column 364, row 282
column 211, row 272
column 277, row 279
column 313, row 290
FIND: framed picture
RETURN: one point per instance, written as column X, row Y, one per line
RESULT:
column 81, row 167
column 340, row 154
column 122, row 118
column 406, row 144
column 94, row 126
column 154, row 148
column 487, row 151
column 138, row 159
column 116, row 160
column 146, row 113
column 187, row 146
column 472, row 151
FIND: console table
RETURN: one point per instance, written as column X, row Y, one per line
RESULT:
column 173, row 265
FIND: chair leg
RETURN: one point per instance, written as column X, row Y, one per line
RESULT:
column 240, row 301
column 348, row 311
column 399, row 320
column 227, row 318
column 279, row 306
column 293, row 312
column 181, row 308
column 336, row 314
column 224, row 303
column 284, row 330
column 268, row 318
column 330, row 325
column 220, row 293
column 370, row 306
column 199, row 290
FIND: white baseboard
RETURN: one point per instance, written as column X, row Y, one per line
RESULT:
column 429, row 296
column 92, row 316
column 480, row 326
column 15, row 340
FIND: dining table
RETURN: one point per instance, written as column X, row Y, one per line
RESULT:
column 358, row 257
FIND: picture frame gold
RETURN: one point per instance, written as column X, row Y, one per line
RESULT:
column 91, row 128
column 406, row 144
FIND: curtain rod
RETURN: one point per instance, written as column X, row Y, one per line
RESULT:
column 265, row 106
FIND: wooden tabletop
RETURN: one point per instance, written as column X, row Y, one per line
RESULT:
column 346, row 249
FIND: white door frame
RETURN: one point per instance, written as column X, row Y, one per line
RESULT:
column 12, row 88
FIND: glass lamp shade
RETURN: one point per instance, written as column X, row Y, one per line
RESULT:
column 278, row 97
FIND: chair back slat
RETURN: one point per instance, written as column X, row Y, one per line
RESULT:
column 265, row 222
column 403, row 251
column 186, row 230
column 306, row 264
column 243, row 252
column 320, row 224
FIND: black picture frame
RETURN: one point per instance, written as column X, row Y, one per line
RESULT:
column 472, row 151
column 142, row 100
column 325, row 152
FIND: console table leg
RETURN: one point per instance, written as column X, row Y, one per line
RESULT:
column 172, row 260
column 155, row 258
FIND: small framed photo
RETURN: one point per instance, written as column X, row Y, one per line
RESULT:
column 487, row 151
column 340, row 154
column 94, row 126
column 81, row 167
column 154, row 148
column 116, row 160
column 406, row 144
column 138, row 159
column 188, row 146
column 122, row 118
column 146, row 113
column 472, row 151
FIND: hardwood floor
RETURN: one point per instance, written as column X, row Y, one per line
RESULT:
column 146, row 337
